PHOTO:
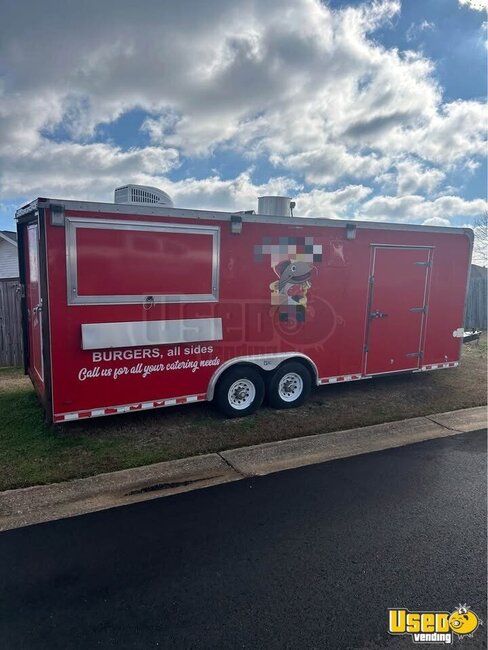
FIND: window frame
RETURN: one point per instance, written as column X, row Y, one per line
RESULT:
column 74, row 223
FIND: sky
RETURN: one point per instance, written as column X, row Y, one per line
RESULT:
column 356, row 110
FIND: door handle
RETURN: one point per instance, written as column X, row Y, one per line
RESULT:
column 378, row 314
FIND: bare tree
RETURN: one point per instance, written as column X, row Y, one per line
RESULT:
column 480, row 250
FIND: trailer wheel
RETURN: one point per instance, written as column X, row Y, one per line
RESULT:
column 240, row 392
column 289, row 386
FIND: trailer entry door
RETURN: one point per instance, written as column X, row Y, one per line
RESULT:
column 34, row 306
column 397, row 308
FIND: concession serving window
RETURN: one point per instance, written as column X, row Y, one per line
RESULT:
column 118, row 262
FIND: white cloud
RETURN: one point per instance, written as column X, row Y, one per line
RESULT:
column 325, row 165
column 478, row 5
column 215, row 193
column 418, row 209
column 452, row 135
column 306, row 86
column 331, row 205
column 416, row 29
column 410, row 177
column 70, row 170
column 240, row 193
column 436, row 221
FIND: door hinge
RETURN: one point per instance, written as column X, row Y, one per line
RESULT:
column 371, row 279
column 429, row 264
column 422, row 310
column 414, row 354
column 365, row 348
column 20, row 289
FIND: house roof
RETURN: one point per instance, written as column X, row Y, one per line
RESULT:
column 9, row 235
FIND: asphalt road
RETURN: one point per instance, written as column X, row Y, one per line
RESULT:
column 308, row 558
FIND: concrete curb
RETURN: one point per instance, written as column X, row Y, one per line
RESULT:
column 42, row 503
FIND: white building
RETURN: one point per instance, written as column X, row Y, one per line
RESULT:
column 9, row 265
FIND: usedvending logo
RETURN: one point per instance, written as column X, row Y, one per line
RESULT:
column 434, row 627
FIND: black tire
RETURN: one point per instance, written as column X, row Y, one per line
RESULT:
column 294, row 369
column 228, row 402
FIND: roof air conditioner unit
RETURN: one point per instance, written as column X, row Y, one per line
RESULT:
column 142, row 195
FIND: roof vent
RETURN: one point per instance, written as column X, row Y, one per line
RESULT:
column 276, row 206
column 142, row 195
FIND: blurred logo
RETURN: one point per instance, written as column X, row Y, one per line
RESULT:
column 293, row 261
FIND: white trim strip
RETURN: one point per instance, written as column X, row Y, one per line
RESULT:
column 100, row 336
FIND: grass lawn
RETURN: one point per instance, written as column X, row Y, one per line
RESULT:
column 32, row 453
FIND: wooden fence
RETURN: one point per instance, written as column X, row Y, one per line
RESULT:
column 10, row 323
column 476, row 304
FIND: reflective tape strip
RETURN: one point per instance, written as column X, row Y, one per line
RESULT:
column 128, row 408
column 439, row 366
column 71, row 416
column 340, row 378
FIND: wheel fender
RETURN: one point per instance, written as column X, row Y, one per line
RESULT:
column 266, row 362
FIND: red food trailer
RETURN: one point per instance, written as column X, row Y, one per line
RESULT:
column 137, row 305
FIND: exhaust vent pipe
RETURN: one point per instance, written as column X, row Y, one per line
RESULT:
column 276, row 206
